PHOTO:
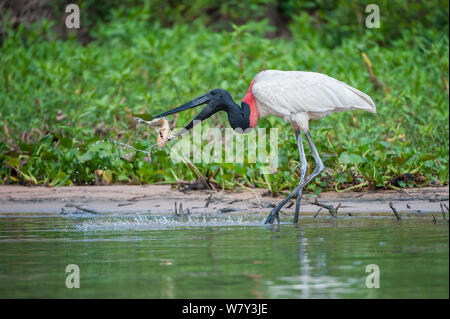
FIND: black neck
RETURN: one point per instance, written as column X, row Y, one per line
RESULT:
column 238, row 116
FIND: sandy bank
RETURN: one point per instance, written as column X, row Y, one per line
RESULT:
column 161, row 199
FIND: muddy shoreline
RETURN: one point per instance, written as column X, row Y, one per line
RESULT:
column 161, row 199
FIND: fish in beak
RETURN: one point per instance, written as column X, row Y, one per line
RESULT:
column 161, row 125
column 215, row 104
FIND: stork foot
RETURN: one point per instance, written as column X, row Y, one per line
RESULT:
column 272, row 216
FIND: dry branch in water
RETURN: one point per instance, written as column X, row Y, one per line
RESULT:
column 331, row 209
column 180, row 212
column 395, row 211
column 318, row 212
column 86, row 210
column 434, row 219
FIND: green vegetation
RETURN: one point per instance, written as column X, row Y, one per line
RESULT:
column 61, row 100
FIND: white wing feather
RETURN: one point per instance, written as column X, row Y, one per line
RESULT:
column 288, row 93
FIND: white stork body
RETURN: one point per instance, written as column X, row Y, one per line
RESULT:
column 298, row 96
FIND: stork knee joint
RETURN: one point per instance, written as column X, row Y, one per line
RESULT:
column 321, row 168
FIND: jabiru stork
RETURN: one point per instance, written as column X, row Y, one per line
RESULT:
column 295, row 96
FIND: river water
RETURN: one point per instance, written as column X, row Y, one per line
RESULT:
column 232, row 256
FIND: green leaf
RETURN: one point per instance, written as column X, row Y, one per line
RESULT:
column 48, row 155
column 25, row 147
column 346, row 158
column 60, row 178
column 14, row 162
column 85, row 157
column 426, row 157
column 46, row 140
column 385, row 144
column 355, row 158
column 398, row 159
column 66, row 142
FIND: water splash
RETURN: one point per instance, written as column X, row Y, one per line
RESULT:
column 162, row 222
column 132, row 147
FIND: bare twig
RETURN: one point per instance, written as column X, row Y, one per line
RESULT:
column 331, row 209
column 395, row 211
column 318, row 212
column 197, row 172
column 208, row 200
column 124, row 204
column 226, row 210
column 180, row 212
column 86, row 210
column 138, row 197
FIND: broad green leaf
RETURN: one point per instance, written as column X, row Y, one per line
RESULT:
column 426, row 157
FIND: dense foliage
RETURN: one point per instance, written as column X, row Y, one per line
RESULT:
column 62, row 101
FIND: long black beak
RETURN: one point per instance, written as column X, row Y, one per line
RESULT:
column 189, row 105
column 208, row 111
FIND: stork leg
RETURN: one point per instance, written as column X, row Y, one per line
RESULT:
column 319, row 169
column 303, row 170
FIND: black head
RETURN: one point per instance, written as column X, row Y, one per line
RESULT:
column 217, row 100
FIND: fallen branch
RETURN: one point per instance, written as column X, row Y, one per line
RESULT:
column 318, row 212
column 208, row 200
column 395, row 211
column 197, row 172
column 124, row 204
column 86, row 210
column 331, row 209
column 138, row 197
column 226, row 210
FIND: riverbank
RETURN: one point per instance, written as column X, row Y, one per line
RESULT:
column 161, row 199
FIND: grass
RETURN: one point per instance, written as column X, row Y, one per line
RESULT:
column 60, row 103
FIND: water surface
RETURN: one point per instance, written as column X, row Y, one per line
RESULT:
column 139, row 256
